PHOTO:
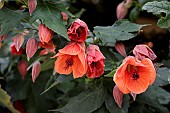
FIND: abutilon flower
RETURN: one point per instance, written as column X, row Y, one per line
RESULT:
column 95, row 61
column 71, row 59
column 134, row 75
column 36, row 68
column 143, row 51
column 32, row 6
column 31, row 47
column 45, row 34
column 22, row 67
column 121, row 10
column 14, row 50
column 78, row 31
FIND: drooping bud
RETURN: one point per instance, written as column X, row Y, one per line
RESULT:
column 65, row 16
column 121, row 10
column 18, row 41
column 44, row 33
column 120, row 48
column 143, row 51
column 118, row 96
column 22, row 67
column 32, row 6
column 31, row 47
column 36, row 70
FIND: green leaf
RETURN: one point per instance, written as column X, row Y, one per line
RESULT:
column 164, row 22
column 5, row 100
column 162, row 95
column 120, row 30
column 113, row 107
column 9, row 19
column 86, row 102
column 59, row 79
column 111, row 73
column 158, row 8
column 150, row 98
column 4, row 62
column 48, row 64
column 162, row 76
column 50, row 15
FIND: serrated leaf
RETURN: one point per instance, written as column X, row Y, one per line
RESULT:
column 5, row 100
column 9, row 19
column 86, row 102
column 162, row 77
column 156, row 7
column 113, row 107
column 120, row 30
column 164, row 22
column 50, row 15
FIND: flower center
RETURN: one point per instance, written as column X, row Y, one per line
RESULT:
column 94, row 64
column 69, row 62
column 135, row 76
column 79, row 31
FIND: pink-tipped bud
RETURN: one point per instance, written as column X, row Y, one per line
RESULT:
column 133, row 95
column 22, row 67
column 45, row 34
column 121, row 10
column 118, row 96
column 36, row 70
column 65, row 16
column 120, row 48
column 31, row 47
column 18, row 41
column 32, row 6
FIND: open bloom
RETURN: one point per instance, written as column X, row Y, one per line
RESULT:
column 143, row 51
column 78, row 31
column 95, row 60
column 134, row 75
column 71, row 59
column 44, row 33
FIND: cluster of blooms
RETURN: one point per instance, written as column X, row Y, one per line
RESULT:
column 122, row 8
column 75, row 58
column 136, row 72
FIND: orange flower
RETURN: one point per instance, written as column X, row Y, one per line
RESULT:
column 71, row 59
column 135, row 76
column 44, row 33
column 48, row 47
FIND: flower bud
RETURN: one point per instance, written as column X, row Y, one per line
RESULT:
column 44, row 33
column 120, row 48
column 22, row 67
column 36, row 70
column 31, row 47
column 143, row 51
column 118, row 96
column 32, row 6
column 18, row 41
column 14, row 50
column 65, row 16
column 121, row 11
column 133, row 95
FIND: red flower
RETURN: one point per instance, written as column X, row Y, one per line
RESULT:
column 120, row 48
column 48, row 47
column 44, row 33
column 95, row 61
column 71, row 59
column 18, row 41
column 14, row 50
column 143, row 51
column 36, row 68
column 78, row 31
column 22, row 67
column 32, row 6
column 134, row 75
